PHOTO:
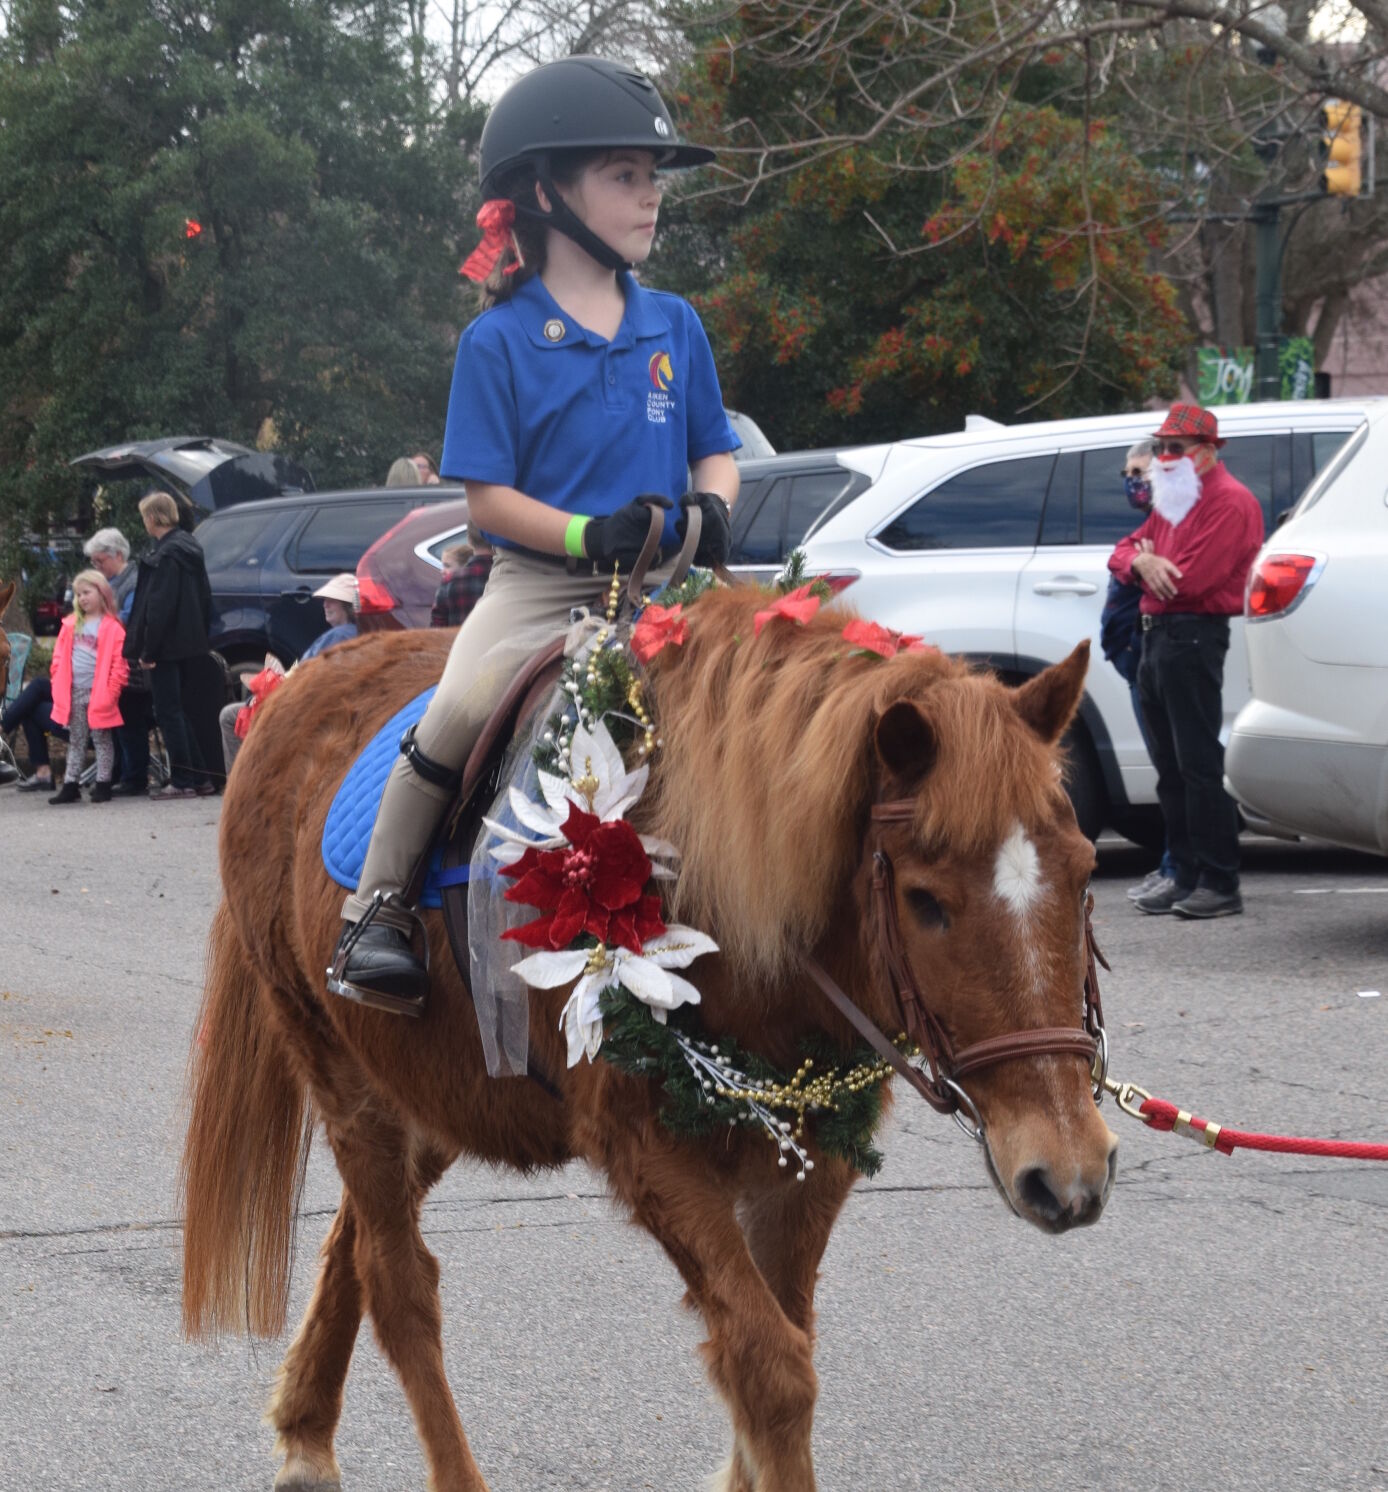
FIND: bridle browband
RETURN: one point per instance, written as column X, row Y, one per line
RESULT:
column 937, row 1081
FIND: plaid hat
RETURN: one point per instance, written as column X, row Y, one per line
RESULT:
column 1191, row 422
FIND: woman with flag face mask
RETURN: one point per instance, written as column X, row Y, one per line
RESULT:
column 580, row 400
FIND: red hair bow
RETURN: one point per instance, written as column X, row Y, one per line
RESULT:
column 496, row 220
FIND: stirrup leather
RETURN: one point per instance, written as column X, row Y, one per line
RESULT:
column 339, row 984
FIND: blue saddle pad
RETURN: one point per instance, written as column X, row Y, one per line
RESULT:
column 352, row 816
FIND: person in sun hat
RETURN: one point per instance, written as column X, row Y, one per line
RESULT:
column 581, row 401
column 339, row 598
column 1191, row 557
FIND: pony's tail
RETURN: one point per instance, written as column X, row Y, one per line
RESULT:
column 244, row 1155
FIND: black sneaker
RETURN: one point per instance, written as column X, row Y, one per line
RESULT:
column 131, row 789
column 34, row 784
column 1205, row 901
column 381, row 969
column 1161, row 898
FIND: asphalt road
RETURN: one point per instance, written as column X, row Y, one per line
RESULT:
column 1224, row 1326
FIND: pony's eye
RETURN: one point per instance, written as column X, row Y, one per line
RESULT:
column 926, row 910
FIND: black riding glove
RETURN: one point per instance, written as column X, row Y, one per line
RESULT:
column 716, row 536
column 618, row 538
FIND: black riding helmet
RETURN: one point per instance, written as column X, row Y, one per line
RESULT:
column 578, row 103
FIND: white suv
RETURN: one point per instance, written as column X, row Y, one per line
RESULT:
column 994, row 543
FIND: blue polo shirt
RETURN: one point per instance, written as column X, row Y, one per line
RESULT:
column 541, row 404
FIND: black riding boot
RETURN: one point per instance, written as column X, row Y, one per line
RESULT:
column 375, row 964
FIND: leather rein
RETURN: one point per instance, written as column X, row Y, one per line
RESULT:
column 938, row 1079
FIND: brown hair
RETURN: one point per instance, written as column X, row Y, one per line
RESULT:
column 797, row 788
column 529, row 234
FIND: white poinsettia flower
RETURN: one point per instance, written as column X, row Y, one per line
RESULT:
column 600, row 784
column 645, row 974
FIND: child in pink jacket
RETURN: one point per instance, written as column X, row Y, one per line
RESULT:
column 88, row 674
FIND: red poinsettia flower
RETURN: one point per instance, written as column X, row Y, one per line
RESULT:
column 658, row 625
column 799, row 606
column 635, row 926
column 602, row 871
column 874, row 638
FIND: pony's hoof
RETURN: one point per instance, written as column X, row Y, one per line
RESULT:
column 300, row 1475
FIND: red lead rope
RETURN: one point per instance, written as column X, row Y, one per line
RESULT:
column 1159, row 1114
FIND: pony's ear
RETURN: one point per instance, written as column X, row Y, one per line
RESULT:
column 1048, row 702
column 6, row 596
column 905, row 742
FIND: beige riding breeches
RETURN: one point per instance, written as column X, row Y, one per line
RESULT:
column 526, row 604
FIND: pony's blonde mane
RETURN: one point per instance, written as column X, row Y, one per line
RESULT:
column 768, row 766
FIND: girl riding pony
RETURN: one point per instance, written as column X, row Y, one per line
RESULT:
column 580, row 400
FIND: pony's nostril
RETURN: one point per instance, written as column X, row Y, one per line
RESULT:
column 1034, row 1189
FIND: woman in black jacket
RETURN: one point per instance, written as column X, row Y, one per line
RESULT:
column 167, row 636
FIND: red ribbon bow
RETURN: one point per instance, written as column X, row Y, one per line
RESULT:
column 496, row 219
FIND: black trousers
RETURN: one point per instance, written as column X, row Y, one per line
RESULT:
column 32, row 712
column 1181, row 684
column 132, row 737
column 168, row 683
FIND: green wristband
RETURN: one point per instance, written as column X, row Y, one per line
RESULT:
column 573, row 536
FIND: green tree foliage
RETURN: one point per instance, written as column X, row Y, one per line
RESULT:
column 214, row 215
column 889, row 286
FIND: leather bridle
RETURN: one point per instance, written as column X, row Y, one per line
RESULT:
column 938, row 1080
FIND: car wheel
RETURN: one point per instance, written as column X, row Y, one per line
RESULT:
column 1084, row 782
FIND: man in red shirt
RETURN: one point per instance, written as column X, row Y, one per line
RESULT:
column 1191, row 558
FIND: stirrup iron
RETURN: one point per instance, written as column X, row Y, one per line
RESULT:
column 339, row 984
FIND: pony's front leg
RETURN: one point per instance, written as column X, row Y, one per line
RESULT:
column 759, row 1360
column 307, row 1401
column 787, row 1228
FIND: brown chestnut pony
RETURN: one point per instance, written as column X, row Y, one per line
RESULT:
column 774, row 747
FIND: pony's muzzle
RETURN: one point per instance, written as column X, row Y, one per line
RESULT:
column 1058, row 1202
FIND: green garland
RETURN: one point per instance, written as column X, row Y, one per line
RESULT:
column 751, row 1091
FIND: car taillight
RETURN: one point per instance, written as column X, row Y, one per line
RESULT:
column 372, row 595
column 1278, row 581
column 838, row 581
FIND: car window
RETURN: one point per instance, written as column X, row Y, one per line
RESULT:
column 1325, row 479
column 1108, row 515
column 229, row 538
column 997, row 506
column 761, row 541
column 337, row 535
column 1324, row 445
column 1061, row 524
column 447, row 541
column 1249, row 458
column 810, row 494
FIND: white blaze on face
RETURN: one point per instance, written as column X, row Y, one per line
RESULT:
column 1017, row 873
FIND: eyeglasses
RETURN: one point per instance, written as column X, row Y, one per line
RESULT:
column 1172, row 447
column 1136, row 471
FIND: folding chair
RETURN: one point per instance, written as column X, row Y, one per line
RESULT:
column 20, row 643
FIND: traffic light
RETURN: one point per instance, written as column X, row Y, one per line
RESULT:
column 1342, row 146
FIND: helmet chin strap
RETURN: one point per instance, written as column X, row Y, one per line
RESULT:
column 562, row 218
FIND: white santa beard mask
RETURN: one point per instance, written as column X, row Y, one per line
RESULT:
column 1175, row 488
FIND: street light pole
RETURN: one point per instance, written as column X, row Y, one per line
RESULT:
column 1268, row 377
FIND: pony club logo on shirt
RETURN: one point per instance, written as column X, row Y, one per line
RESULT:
column 659, row 404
